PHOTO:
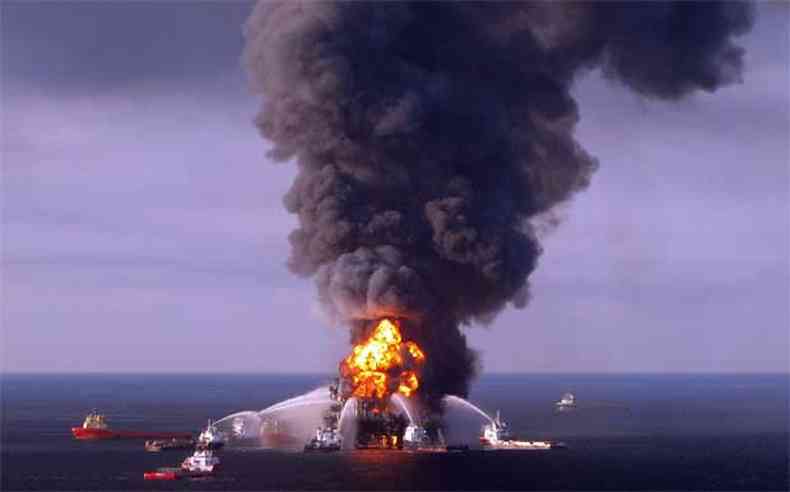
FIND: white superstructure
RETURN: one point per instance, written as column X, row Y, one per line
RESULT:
column 202, row 461
column 495, row 432
column 326, row 439
column 94, row 420
column 414, row 436
column 211, row 438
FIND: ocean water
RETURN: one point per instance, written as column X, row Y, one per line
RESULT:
column 629, row 432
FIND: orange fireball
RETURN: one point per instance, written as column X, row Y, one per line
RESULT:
column 383, row 363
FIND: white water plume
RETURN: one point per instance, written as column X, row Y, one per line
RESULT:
column 397, row 398
column 461, row 422
column 320, row 393
column 285, row 424
column 243, row 414
column 296, row 405
column 350, row 403
column 347, row 426
column 455, row 400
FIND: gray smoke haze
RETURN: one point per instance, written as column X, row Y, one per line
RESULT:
column 430, row 136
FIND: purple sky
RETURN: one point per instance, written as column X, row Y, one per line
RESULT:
column 143, row 228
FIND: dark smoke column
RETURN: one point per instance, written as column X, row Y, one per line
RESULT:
column 427, row 136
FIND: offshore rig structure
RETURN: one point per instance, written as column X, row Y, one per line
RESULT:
column 379, row 371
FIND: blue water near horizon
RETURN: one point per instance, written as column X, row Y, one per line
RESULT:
column 629, row 432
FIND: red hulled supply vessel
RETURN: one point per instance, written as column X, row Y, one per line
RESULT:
column 95, row 428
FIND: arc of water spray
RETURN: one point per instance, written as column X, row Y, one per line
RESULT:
column 465, row 403
column 294, row 405
column 245, row 413
column 399, row 399
column 289, row 401
column 349, row 403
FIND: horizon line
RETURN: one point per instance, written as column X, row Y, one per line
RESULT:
column 327, row 374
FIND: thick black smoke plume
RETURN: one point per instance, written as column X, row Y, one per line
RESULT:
column 427, row 136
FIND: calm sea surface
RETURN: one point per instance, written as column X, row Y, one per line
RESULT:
column 630, row 432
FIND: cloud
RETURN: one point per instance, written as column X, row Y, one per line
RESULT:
column 138, row 206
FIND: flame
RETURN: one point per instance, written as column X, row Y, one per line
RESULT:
column 415, row 351
column 408, row 383
column 383, row 363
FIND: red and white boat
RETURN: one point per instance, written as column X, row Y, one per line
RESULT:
column 201, row 464
column 95, row 428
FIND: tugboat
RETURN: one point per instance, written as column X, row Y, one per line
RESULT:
column 95, row 428
column 211, row 438
column 326, row 439
column 201, row 464
column 566, row 403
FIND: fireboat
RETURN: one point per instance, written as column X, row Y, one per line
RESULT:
column 211, row 438
column 496, row 435
column 201, row 464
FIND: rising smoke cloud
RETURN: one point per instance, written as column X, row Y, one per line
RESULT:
column 429, row 136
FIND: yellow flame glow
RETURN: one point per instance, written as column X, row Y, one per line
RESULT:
column 371, row 362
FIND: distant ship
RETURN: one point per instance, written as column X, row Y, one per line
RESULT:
column 95, row 428
column 567, row 402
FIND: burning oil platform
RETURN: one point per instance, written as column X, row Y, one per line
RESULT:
column 378, row 382
column 423, row 182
